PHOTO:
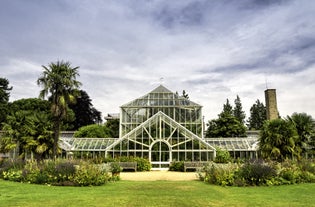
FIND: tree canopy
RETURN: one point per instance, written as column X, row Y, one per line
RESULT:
column 4, row 90
column 305, row 128
column 4, row 99
column 226, row 125
column 278, row 140
column 257, row 116
column 238, row 110
column 93, row 131
column 85, row 113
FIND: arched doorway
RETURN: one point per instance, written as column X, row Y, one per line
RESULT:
column 160, row 154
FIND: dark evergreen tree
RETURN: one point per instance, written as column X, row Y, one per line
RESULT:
column 227, row 109
column 85, row 113
column 4, row 99
column 226, row 125
column 257, row 116
column 238, row 110
column 4, row 91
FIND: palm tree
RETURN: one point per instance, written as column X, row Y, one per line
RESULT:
column 59, row 81
column 304, row 125
column 277, row 140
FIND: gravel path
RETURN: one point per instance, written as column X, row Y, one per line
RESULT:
column 158, row 175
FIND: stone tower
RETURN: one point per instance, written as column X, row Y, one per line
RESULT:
column 271, row 104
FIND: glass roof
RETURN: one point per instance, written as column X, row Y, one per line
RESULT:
column 161, row 97
column 103, row 144
column 234, row 144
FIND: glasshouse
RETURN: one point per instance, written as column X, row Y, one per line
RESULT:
column 161, row 126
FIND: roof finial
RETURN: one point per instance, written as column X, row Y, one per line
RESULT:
column 161, row 80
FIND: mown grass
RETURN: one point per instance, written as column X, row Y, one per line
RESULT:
column 155, row 193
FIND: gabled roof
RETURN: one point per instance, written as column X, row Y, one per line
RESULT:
column 169, row 98
column 161, row 89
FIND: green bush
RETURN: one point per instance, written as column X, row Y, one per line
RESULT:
column 17, row 164
column 142, row 164
column 90, row 175
column 13, row 175
column 64, row 170
column 257, row 172
column 93, row 131
column 219, row 174
column 222, row 156
column 59, row 172
column 177, row 166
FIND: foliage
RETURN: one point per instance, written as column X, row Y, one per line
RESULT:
column 3, row 113
column 4, row 99
column 222, row 156
column 177, row 166
column 219, row 174
column 238, row 110
column 226, row 125
column 30, row 104
column 277, row 140
column 30, row 131
column 4, row 90
column 85, row 113
column 56, row 172
column 13, row 175
column 304, row 125
column 59, row 81
column 257, row 116
column 256, row 172
column 113, row 126
column 259, row 172
column 115, row 167
column 93, row 131
column 90, row 175
column 142, row 164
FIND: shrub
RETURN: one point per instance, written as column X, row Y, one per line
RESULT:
column 93, row 131
column 219, row 174
column 142, row 164
column 222, row 156
column 17, row 164
column 13, row 175
column 64, row 170
column 90, row 175
column 256, row 172
column 177, row 166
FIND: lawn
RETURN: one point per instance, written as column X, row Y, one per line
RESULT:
column 155, row 193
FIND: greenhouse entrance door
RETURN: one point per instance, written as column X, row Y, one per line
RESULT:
column 160, row 155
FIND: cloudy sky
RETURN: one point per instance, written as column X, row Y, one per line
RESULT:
column 213, row 49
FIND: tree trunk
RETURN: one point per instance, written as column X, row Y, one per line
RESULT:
column 56, row 138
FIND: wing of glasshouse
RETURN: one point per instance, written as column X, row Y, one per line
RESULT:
column 162, row 127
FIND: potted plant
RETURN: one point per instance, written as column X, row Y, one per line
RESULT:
column 115, row 168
